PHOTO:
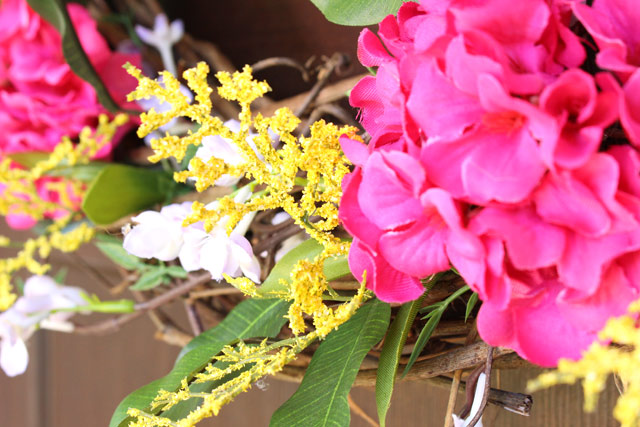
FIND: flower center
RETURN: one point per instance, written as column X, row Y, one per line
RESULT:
column 504, row 121
column 435, row 220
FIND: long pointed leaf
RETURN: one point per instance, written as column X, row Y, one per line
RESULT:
column 251, row 318
column 390, row 355
column 424, row 336
column 55, row 12
column 321, row 399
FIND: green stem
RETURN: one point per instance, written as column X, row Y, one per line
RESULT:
column 120, row 306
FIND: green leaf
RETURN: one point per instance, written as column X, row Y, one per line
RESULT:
column 473, row 300
column 357, row 12
column 61, row 275
column 390, row 356
column 176, row 271
column 424, row 336
column 334, row 268
column 116, row 253
column 250, row 318
column 55, row 12
column 149, row 279
column 29, row 159
column 119, row 190
column 190, row 154
column 84, row 173
column 434, row 317
column 321, row 399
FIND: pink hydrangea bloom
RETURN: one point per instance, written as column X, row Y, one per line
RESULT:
column 41, row 99
column 492, row 151
column 613, row 24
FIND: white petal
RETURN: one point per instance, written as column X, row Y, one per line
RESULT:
column 176, row 31
column 242, row 253
column 145, row 34
column 243, row 224
column 457, row 421
column 14, row 357
column 214, row 256
column 290, row 244
column 190, row 251
column 57, row 325
column 279, row 218
column 161, row 24
column 477, row 398
column 156, row 236
column 40, row 285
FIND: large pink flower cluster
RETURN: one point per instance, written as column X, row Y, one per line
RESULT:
column 498, row 150
column 41, row 99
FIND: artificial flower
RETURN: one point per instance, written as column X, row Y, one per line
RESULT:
column 163, row 36
column 489, row 152
column 42, row 296
column 41, row 99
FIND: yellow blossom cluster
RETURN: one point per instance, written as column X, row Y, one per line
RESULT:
column 621, row 357
column 301, row 176
column 20, row 196
column 316, row 161
column 262, row 360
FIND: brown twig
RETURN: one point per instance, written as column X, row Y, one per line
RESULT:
column 514, row 402
column 360, row 412
column 453, row 394
column 214, row 293
column 113, row 324
column 330, row 93
column 460, row 358
column 194, row 319
column 328, row 109
column 487, row 387
column 279, row 61
column 337, row 61
column 273, row 240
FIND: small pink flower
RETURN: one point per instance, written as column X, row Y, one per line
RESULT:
column 614, row 26
column 582, row 114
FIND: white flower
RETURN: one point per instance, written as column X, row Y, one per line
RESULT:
column 224, row 149
column 163, row 36
column 14, row 330
column 475, row 406
column 158, row 234
column 42, row 295
column 161, row 235
column 219, row 253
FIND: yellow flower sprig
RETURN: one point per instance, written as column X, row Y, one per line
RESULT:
column 621, row 357
column 263, row 360
column 318, row 159
column 315, row 165
column 20, row 196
